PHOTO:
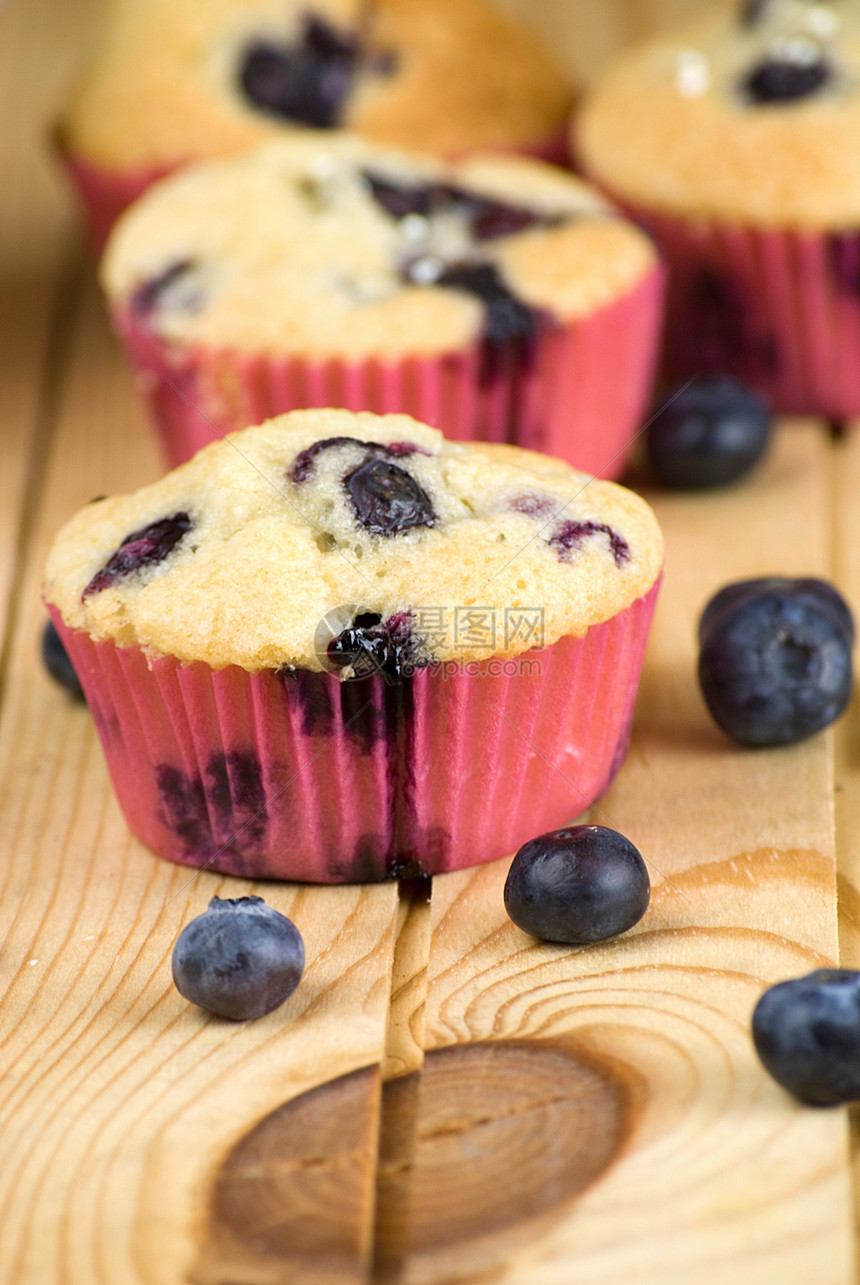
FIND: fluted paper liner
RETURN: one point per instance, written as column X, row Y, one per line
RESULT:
column 779, row 309
column 299, row 776
column 576, row 391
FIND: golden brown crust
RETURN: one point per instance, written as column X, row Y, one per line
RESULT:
column 268, row 558
column 293, row 255
column 162, row 89
column 668, row 130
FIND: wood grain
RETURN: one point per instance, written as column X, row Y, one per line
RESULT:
column 846, row 566
column 287, row 1203
column 845, row 532
column 404, row 1061
column 39, row 264
column 591, row 1115
column 724, row 1178
column 119, row 1101
column 507, row 1136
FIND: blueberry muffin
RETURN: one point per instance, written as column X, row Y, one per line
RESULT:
column 733, row 140
column 177, row 80
column 336, row 647
column 498, row 298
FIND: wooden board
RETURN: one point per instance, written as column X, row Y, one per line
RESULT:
column 442, row 1100
column 720, row 1178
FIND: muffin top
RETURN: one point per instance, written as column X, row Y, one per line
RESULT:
column 175, row 80
column 325, row 539
column 327, row 244
column 749, row 114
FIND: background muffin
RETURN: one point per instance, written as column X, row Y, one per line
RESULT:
column 734, row 142
column 178, row 80
column 337, row 647
column 498, row 299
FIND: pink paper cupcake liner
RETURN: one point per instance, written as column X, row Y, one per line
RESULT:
column 778, row 309
column 576, row 391
column 104, row 193
column 554, row 149
column 299, row 776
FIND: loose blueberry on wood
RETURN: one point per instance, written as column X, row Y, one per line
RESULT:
column 388, row 500
column 579, row 885
column 806, row 1032
column 709, row 434
column 57, row 663
column 775, row 661
column 239, row 959
column 819, row 594
column 143, row 548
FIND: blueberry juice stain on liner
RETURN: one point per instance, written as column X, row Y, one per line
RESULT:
column 390, row 693
column 376, row 715
column 507, row 346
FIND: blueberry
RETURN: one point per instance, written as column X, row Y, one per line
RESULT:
column 362, row 647
column 579, row 885
column 784, row 79
column 570, row 535
column 402, row 199
column 490, row 219
column 387, row 500
column 807, row 1033
column 143, row 548
column 775, row 660
column 176, row 287
column 505, row 316
column 709, row 434
column 57, row 663
column 310, row 80
column 372, row 646
column 534, row 506
column 303, row 83
column 818, row 593
column 487, row 218
column 304, row 464
column 239, row 959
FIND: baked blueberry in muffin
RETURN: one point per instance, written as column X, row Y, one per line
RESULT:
column 308, row 80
